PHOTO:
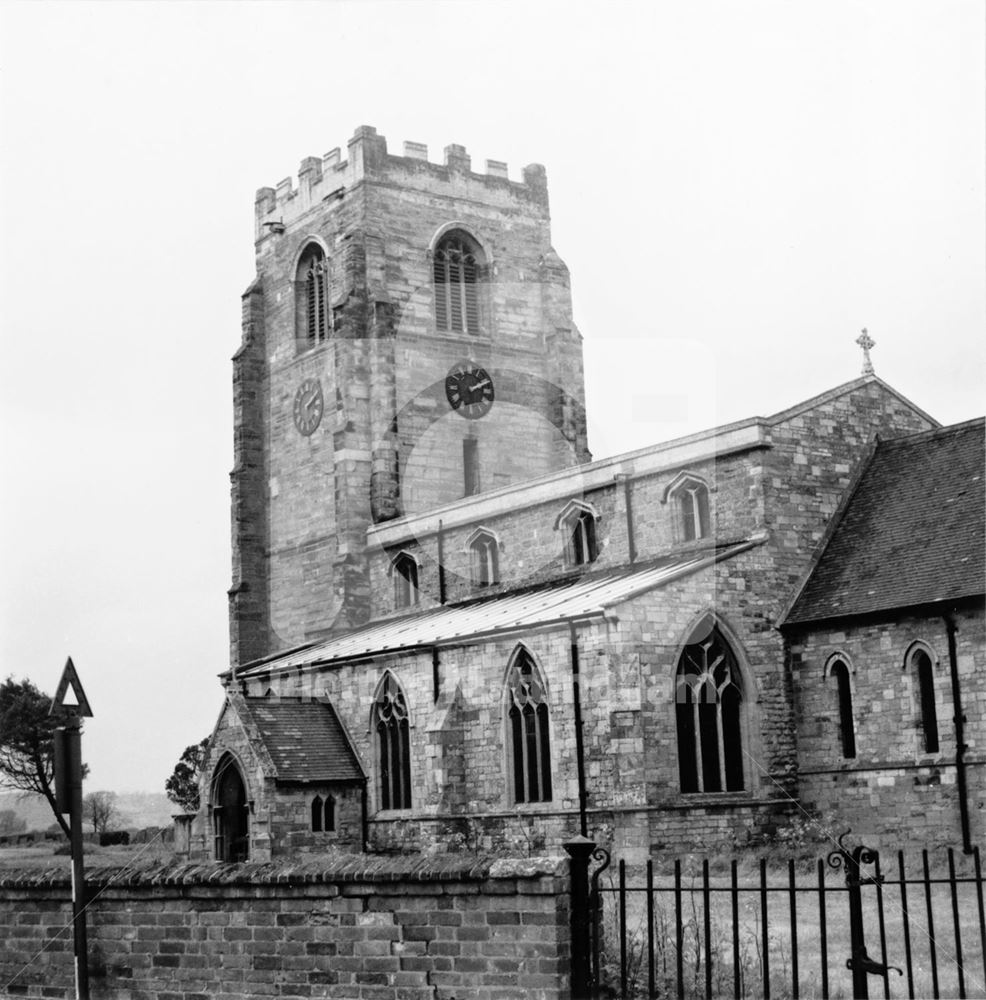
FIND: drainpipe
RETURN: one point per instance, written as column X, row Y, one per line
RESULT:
column 441, row 564
column 579, row 749
column 960, row 745
column 436, row 684
column 628, row 507
column 365, row 817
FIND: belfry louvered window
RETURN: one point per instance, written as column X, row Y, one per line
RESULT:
column 314, row 317
column 708, row 702
column 456, row 272
column 393, row 731
column 528, row 739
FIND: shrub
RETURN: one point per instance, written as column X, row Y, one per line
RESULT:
column 109, row 838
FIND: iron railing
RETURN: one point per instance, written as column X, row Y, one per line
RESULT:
column 794, row 930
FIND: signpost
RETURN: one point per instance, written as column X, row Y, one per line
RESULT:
column 68, row 798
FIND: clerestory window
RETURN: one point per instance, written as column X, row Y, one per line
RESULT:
column 484, row 559
column 528, row 737
column 708, row 707
column 578, row 522
column 393, row 736
column 691, row 505
column 405, row 572
column 456, row 268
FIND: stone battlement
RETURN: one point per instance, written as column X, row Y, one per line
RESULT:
column 329, row 177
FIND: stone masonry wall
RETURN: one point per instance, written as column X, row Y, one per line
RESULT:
column 388, row 440
column 460, row 754
column 379, row 929
column 531, row 548
column 892, row 789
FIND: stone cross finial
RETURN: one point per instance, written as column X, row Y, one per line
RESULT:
column 866, row 342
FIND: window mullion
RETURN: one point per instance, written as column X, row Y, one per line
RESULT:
column 699, row 767
column 722, row 746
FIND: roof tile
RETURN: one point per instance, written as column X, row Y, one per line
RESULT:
column 914, row 531
column 305, row 740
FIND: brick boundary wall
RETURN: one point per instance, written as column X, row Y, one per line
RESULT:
column 448, row 927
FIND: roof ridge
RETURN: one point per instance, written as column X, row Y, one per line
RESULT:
column 919, row 437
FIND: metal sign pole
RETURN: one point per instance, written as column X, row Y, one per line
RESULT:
column 68, row 797
column 73, row 742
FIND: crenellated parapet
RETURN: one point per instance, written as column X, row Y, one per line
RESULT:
column 330, row 178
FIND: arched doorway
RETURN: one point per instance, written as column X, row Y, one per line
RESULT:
column 230, row 812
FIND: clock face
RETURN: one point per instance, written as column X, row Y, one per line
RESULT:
column 469, row 390
column 308, row 406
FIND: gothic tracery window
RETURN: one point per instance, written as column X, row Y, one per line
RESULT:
column 393, row 733
column 528, row 739
column 691, row 502
column 484, row 559
column 456, row 273
column 578, row 522
column 708, row 703
column 314, row 316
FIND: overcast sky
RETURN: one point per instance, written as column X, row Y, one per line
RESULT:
column 737, row 188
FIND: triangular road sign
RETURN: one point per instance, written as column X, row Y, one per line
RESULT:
column 70, row 679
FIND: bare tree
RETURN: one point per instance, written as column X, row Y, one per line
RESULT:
column 99, row 808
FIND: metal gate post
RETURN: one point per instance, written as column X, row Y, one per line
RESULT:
column 579, row 850
column 860, row 964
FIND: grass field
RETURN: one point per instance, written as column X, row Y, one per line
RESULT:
column 43, row 856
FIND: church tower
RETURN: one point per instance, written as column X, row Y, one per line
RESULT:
column 408, row 341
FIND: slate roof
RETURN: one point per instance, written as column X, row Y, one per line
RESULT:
column 912, row 532
column 305, row 740
column 553, row 603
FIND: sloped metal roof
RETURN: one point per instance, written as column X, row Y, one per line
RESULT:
column 510, row 612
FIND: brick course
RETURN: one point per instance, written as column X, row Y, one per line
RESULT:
column 383, row 929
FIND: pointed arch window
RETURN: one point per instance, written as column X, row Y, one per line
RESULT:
column 405, row 572
column 528, row 737
column 323, row 814
column 313, row 314
column 393, row 733
column 708, row 708
column 922, row 668
column 690, row 496
column 839, row 671
column 456, row 271
column 484, row 558
column 578, row 521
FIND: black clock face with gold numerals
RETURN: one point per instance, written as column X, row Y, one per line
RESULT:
column 469, row 390
column 308, row 406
